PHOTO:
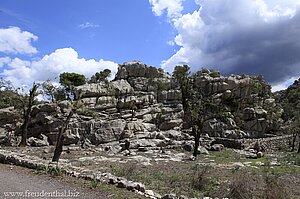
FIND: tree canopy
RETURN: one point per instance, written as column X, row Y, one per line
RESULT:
column 101, row 76
column 71, row 79
column 8, row 95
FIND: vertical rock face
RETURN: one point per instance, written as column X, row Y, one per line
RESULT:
column 143, row 100
column 245, row 105
column 140, row 101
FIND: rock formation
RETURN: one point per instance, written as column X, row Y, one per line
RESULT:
column 144, row 104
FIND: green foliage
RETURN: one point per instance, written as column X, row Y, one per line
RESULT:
column 199, row 180
column 101, row 76
column 8, row 95
column 291, row 103
column 215, row 74
column 94, row 183
column 181, row 74
column 52, row 92
column 87, row 112
column 53, row 171
column 71, row 79
column 232, row 102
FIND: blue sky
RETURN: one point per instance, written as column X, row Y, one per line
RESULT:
column 118, row 30
column 40, row 39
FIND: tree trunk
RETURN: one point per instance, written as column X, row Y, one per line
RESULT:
column 298, row 143
column 196, row 134
column 293, row 142
column 24, row 131
column 27, row 113
column 60, row 139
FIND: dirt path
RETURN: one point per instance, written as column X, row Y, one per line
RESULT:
column 17, row 182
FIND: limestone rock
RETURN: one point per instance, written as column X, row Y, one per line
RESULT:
column 71, row 137
column 169, row 196
column 217, row 147
column 202, row 150
column 38, row 142
column 107, row 131
column 9, row 116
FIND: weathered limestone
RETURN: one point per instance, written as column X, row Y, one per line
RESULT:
column 143, row 102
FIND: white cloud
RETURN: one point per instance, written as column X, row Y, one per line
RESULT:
column 255, row 37
column 284, row 85
column 88, row 25
column 14, row 40
column 4, row 60
column 171, row 43
column 172, row 7
column 50, row 66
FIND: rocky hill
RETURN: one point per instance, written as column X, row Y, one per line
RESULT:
column 145, row 104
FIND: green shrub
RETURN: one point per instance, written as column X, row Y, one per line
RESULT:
column 215, row 74
column 200, row 179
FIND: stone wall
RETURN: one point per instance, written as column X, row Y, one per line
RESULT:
column 273, row 144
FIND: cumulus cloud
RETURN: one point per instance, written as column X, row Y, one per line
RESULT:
column 4, row 60
column 172, row 7
column 14, row 40
column 88, row 25
column 254, row 37
column 22, row 72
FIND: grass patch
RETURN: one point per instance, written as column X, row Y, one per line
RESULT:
column 187, row 179
column 53, row 171
column 226, row 156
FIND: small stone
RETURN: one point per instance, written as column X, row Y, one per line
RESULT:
column 217, row 147
column 126, row 152
column 139, row 186
column 183, row 197
column 251, row 156
column 142, row 149
column 238, row 165
column 251, row 150
column 122, row 184
column 202, row 150
column 260, row 154
column 192, row 158
column 259, row 164
column 169, row 196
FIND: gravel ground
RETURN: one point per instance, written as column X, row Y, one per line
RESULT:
column 17, row 182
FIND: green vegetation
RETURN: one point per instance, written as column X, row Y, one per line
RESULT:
column 87, row 112
column 197, row 180
column 53, row 92
column 101, row 76
column 291, row 102
column 181, row 74
column 9, row 95
column 69, row 81
column 53, row 171
column 214, row 74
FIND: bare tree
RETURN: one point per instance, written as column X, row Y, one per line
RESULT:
column 27, row 109
column 63, row 129
column 60, row 138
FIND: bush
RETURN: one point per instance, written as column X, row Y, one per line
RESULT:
column 215, row 74
column 274, row 189
column 242, row 186
column 200, row 178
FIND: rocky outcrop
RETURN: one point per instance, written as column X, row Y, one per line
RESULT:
column 143, row 102
column 244, row 105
